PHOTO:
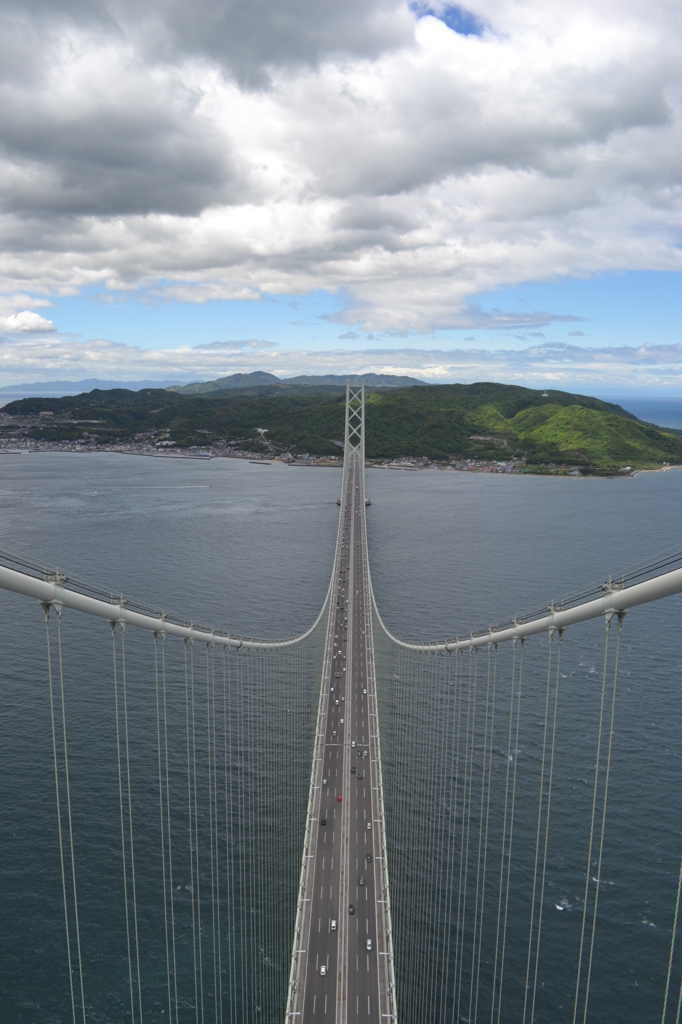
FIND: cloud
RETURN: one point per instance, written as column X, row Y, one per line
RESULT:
column 26, row 323
column 567, row 366
column 406, row 160
column 349, row 336
column 236, row 346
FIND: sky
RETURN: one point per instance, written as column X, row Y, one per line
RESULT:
column 489, row 192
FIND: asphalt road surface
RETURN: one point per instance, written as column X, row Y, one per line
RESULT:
column 343, row 966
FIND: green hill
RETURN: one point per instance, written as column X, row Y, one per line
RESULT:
column 482, row 421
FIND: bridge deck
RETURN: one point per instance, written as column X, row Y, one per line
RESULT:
column 342, row 892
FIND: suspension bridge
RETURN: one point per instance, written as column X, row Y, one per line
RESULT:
column 341, row 826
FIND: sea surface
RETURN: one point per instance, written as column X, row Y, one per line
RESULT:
column 250, row 548
column 664, row 412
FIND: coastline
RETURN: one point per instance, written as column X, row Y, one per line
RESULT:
column 247, row 458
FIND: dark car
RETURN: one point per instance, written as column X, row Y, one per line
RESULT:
column 368, row 858
column 361, row 880
column 323, row 821
column 359, row 776
column 353, row 770
column 351, row 909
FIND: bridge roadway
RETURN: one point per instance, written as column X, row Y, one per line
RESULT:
column 342, row 909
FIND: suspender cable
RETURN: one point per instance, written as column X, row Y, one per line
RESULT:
column 196, row 829
column 503, row 844
column 168, row 822
column 229, row 858
column 219, row 1013
column 603, row 816
column 485, row 842
column 440, row 890
column 594, row 809
column 466, row 814
column 479, row 881
column 123, row 838
column 672, row 949
column 241, row 756
column 454, row 789
column 68, row 810
column 191, row 832
column 46, row 609
column 547, row 812
column 460, row 891
column 539, row 826
column 428, row 897
column 130, row 817
column 511, row 832
column 163, row 827
column 209, row 760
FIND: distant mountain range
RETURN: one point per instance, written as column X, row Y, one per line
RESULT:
column 257, row 379
column 260, row 379
column 61, row 388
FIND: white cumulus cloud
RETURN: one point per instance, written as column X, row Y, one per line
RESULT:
column 26, row 322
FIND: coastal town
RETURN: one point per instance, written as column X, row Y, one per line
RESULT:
column 17, row 445
column 18, row 435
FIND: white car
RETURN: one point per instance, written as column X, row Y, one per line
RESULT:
column 323, row 969
column 369, row 945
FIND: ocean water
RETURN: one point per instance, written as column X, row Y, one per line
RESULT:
column 664, row 412
column 251, row 548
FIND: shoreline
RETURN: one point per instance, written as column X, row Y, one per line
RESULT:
column 249, row 460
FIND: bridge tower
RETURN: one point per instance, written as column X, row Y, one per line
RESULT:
column 342, row 959
column 354, row 436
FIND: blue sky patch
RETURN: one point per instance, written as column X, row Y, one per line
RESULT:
column 457, row 18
